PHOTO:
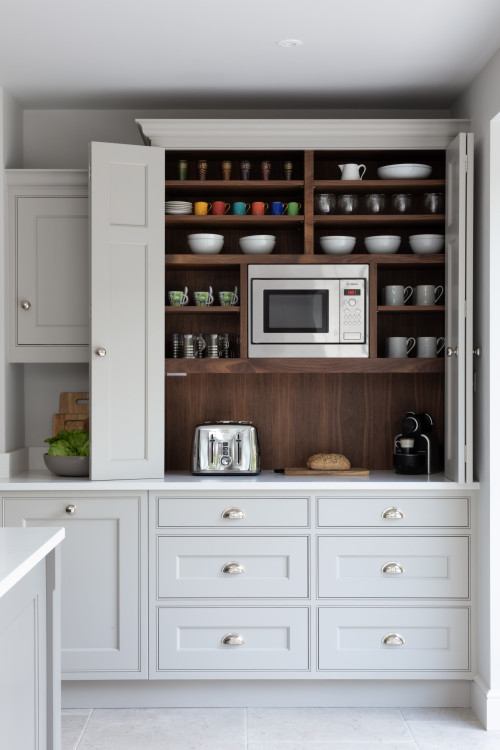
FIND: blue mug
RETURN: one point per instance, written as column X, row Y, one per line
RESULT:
column 240, row 209
column 278, row 208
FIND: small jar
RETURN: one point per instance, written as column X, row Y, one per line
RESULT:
column 401, row 203
column 375, row 203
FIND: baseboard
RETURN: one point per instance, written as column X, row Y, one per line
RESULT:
column 14, row 462
column 270, row 693
column 486, row 704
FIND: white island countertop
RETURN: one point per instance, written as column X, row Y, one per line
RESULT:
column 267, row 480
column 23, row 548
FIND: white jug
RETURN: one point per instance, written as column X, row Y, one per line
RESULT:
column 352, row 171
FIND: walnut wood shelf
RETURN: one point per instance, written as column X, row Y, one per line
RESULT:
column 359, row 365
column 200, row 310
column 377, row 186
column 394, row 259
column 370, row 219
column 232, row 186
column 231, row 220
column 410, row 308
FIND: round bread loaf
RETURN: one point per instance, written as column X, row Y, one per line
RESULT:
column 328, row 461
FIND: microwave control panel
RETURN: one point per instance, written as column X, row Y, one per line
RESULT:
column 352, row 310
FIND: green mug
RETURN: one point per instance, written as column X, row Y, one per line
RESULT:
column 293, row 208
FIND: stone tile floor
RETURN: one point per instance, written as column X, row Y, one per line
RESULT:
column 275, row 729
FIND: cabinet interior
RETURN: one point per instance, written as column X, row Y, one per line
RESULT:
column 352, row 406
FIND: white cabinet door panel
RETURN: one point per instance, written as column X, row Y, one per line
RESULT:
column 103, row 595
column 387, row 567
column 394, row 513
column 193, row 567
column 233, row 513
column 128, row 307
column 394, row 639
column 267, row 638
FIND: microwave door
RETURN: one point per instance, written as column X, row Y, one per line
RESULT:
column 298, row 311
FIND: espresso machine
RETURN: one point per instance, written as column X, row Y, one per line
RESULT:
column 416, row 449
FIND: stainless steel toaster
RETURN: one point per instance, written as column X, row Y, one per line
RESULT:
column 226, row 448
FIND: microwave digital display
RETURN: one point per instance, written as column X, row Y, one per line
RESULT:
column 297, row 311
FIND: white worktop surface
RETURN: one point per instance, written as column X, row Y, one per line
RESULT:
column 266, row 480
column 23, row 548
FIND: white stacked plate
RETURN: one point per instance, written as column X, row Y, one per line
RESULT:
column 178, row 207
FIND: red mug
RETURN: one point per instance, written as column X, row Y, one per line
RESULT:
column 219, row 208
column 259, row 208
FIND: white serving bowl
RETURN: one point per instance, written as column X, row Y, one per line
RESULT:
column 426, row 244
column 404, row 172
column 383, row 243
column 337, row 244
column 205, row 243
column 257, row 244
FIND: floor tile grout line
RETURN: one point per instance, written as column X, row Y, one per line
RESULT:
column 84, row 728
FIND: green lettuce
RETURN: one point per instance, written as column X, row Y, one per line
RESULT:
column 69, row 443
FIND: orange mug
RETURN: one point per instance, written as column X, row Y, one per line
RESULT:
column 219, row 208
column 259, row 208
column 201, row 208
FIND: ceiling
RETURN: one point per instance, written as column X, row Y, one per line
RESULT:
column 222, row 53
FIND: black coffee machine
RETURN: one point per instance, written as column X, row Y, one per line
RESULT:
column 416, row 450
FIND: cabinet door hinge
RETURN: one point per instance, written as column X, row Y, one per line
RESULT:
column 90, row 172
column 465, row 453
column 466, row 163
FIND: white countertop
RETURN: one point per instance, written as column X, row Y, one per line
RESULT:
column 266, row 480
column 21, row 549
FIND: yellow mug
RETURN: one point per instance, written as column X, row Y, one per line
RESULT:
column 201, row 208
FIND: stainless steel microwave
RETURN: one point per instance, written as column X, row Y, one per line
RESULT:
column 308, row 310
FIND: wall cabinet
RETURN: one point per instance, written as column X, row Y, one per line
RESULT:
column 104, row 578
column 49, row 266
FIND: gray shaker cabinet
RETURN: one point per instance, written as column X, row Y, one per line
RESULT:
column 48, row 265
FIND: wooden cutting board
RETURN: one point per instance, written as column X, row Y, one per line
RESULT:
column 73, row 413
column 352, row 472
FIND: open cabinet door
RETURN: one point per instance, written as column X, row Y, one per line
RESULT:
column 458, row 352
column 127, row 232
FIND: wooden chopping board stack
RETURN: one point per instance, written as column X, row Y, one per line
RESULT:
column 73, row 413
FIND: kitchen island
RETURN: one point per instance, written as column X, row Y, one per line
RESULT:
column 30, row 688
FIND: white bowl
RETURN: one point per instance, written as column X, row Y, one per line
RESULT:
column 426, row 244
column 383, row 243
column 404, row 172
column 337, row 244
column 207, row 244
column 257, row 244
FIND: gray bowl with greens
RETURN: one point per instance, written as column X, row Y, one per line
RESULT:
column 68, row 454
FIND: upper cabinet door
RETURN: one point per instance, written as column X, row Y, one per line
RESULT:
column 127, row 229
column 458, row 353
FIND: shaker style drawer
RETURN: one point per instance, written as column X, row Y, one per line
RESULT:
column 386, row 567
column 232, row 638
column 394, row 512
column 224, row 566
column 233, row 513
column 391, row 638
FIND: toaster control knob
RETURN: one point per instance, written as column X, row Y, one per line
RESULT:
column 225, row 460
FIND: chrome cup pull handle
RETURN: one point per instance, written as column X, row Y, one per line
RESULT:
column 234, row 514
column 233, row 639
column 393, row 568
column 233, row 568
column 393, row 639
column 393, row 513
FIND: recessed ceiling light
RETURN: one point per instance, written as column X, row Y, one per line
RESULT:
column 290, row 43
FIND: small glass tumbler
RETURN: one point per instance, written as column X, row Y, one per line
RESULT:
column 265, row 169
column 182, row 168
column 324, row 203
column 401, row 203
column 213, row 345
column 202, row 166
column 348, row 204
column 245, row 169
column 174, row 349
column 434, row 203
column 375, row 203
column 188, row 346
column 287, row 170
column 226, row 170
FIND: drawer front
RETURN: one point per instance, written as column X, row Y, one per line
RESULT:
column 391, row 638
column 233, row 513
column 394, row 512
column 232, row 638
column 232, row 567
column 393, row 566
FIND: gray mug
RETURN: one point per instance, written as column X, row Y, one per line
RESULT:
column 428, row 294
column 396, row 294
column 397, row 347
column 429, row 346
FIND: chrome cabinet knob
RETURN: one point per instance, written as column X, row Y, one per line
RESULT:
column 393, row 513
column 70, row 509
column 25, row 304
column 477, row 351
column 233, row 568
column 234, row 514
column 392, row 568
column 452, row 351
column 233, row 639
column 393, row 639
column 100, row 351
